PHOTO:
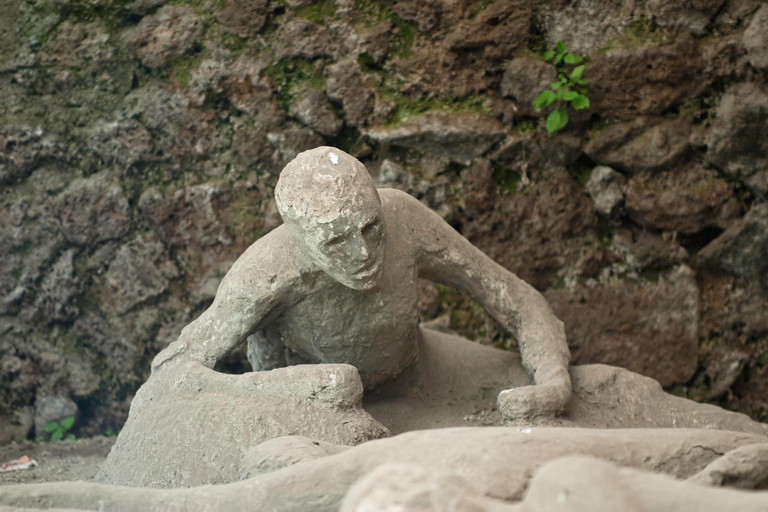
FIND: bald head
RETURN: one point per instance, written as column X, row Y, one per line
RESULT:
column 319, row 184
column 333, row 213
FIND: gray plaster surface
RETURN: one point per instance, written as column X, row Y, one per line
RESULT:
column 497, row 462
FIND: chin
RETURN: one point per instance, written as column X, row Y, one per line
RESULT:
column 361, row 285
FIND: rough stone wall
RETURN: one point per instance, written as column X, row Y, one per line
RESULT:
column 140, row 141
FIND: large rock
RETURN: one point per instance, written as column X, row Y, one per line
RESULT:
column 626, row 83
column 190, row 216
column 642, row 249
column 244, row 17
column 460, row 136
column 685, row 201
column 755, row 39
column 165, row 36
column 92, row 211
column 427, row 14
column 732, row 144
column 139, row 272
column 586, row 26
column 644, row 144
column 691, row 15
column 57, row 291
column 649, row 328
column 29, row 247
column 539, row 232
column 498, row 30
column 125, row 143
column 346, row 86
column 314, row 110
column 479, row 190
column 22, row 148
column 431, row 71
column 524, row 79
column 743, row 248
column 299, row 38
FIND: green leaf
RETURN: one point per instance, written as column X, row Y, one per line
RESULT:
column 556, row 120
column 580, row 102
column 556, row 85
column 50, row 427
column 577, row 72
column 569, row 58
column 581, row 81
column 67, row 422
column 561, row 47
column 544, row 99
column 558, row 59
column 57, row 435
column 570, row 95
column 548, row 55
column 70, row 437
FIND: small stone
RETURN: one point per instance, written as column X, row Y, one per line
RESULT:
column 606, row 188
column 390, row 172
column 165, row 36
column 314, row 110
column 725, row 368
column 52, row 408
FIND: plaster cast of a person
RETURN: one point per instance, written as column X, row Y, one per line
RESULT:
column 337, row 284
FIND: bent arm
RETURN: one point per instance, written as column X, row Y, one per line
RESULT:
column 252, row 292
column 448, row 258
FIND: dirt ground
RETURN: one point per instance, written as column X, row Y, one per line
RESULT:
column 58, row 461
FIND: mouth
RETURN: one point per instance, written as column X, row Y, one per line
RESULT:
column 367, row 271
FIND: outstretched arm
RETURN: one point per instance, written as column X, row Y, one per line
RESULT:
column 447, row 257
column 256, row 288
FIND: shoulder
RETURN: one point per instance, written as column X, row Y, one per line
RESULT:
column 392, row 198
column 270, row 264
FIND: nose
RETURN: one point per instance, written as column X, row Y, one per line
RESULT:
column 362, row 246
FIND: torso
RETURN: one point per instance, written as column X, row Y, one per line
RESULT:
column 377, row 331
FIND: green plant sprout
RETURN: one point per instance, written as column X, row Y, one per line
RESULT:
column 569, row 88
column 59, row 431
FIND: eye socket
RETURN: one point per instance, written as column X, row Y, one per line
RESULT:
column 370, row 227
column 334, row 241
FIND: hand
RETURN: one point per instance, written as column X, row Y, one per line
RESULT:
column 530, row 403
